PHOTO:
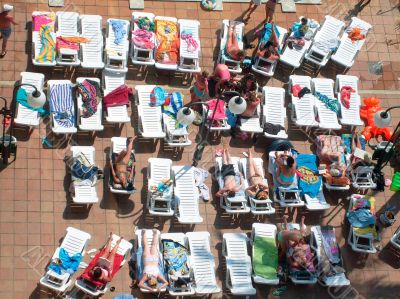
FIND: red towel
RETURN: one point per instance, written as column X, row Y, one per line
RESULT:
column 117, row 264
column 219, row 110
column 118, row 97
column 345, row 93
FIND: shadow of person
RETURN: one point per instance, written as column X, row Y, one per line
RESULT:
column 357, row 9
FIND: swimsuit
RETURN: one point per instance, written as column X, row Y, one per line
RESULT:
column 228, row 170
column 286, row 179
column 152, row 270
column 197, row 92
column 5, row 32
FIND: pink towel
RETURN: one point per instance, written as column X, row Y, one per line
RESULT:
column 219, row 110
column 142, row 38
column 39, row 20
column 64, row 44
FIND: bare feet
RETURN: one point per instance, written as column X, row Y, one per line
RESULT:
column 155, row 232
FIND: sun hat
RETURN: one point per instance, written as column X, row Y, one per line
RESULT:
column 7, row 7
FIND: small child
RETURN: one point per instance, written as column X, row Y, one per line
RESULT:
column 199, row 91
column 5, row 27
column 252, row 7
column 270, row 10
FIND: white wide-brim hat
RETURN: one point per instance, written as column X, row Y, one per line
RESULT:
column 8, row 7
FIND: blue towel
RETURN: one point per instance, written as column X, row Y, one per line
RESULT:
column 22, row 98
column 361, row 218
column 267, row 32
column 307, row 171
column 119, row 31
column 175, row 104
column 62, row 105
column 68, row 264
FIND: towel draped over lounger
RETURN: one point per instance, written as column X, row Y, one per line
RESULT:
column 118, row 97
column 62, row 105
column 265, row 257
column 91, row 97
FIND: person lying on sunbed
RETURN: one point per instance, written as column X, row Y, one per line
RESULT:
column 151, row 268
column 257, row 189
column 231, row 186
column 119, row 169
column 286, row 168
column 232, row 46
column 289, row 237
column 102, row 271
column 269, row 43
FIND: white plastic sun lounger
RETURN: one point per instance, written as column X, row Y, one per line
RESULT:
column 24, row 115
column 140, row 55
column 119, row 144
column 116, row 55
column 164, row 66
column 238, row 203
column 266, row 232
column 92, row 51
column 265, row 66
column 158, row 170
column 64, row 102
column 85, row 194
column 328, row 119
column 329, row 30
column 349, row 116
column 252, row 125
column 150, row 118
column 303, row 113
column 202, row 262
column 37, row 42
column 294, row 57
column 274, row 110
column 286, row 196
column 189, row 59
column 116, row 114
column 238, row 264
column 186, row 195
column 362, row 177
column 257, row 207
column 139, row 254
column 92, row 123
column 360, row 243
column 175, row 137
column 67, row 26
column 75, row 241
column 395, row 239
column 173, row 288
column 233, row 65
column 316, row 243
column 348, row 50
column 124, row 249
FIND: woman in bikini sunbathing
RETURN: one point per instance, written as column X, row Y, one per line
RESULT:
column 151, row 270
column 232, row 47
column 257, row 189
column 103, row 269
column 231, row 185
column 291, row 237
column 120, row 174
column 286, row 168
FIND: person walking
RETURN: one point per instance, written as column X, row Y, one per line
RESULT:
column 5, row 27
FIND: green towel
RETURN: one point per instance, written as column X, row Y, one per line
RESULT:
column 265, row 257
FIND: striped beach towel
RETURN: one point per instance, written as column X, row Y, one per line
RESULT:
column 48, row 49
column 62, row 105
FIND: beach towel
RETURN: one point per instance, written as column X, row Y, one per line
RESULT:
column 145, row 23
column 361, row 218
column 43, row 19
column 219, row 110
column 363, row 222
column 176, row 258
column 267, row 32
column 200, row 176
column 91, row 93
column 116, row 265
column 143, row 39
column 119, row 31
column 331, row 104
column 356, row 34
column 308, row 255
column 118, row 97
column 62, row 105
column 327, row 46
column 48, row 50
column 307, row 172
column 192, row 44
column 174, row 105
column 329, row 244
column 167, row 42
column 71, row 42
column 22, row 98
column 69, row 264
column 265, row 257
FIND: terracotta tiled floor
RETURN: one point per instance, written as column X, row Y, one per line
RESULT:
column 35, row 206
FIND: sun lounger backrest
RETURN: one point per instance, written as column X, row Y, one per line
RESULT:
column 75, row 241
column 67, row 23
column 330, row 29
column 159, row 169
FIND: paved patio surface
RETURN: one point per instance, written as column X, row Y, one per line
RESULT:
column 35, row 206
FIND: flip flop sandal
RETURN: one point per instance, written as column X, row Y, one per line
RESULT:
column 279, row 291
column 3, row 54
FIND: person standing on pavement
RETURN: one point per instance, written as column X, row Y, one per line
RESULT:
column 5, row 27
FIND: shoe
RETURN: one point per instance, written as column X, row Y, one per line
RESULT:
column 290, row 45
